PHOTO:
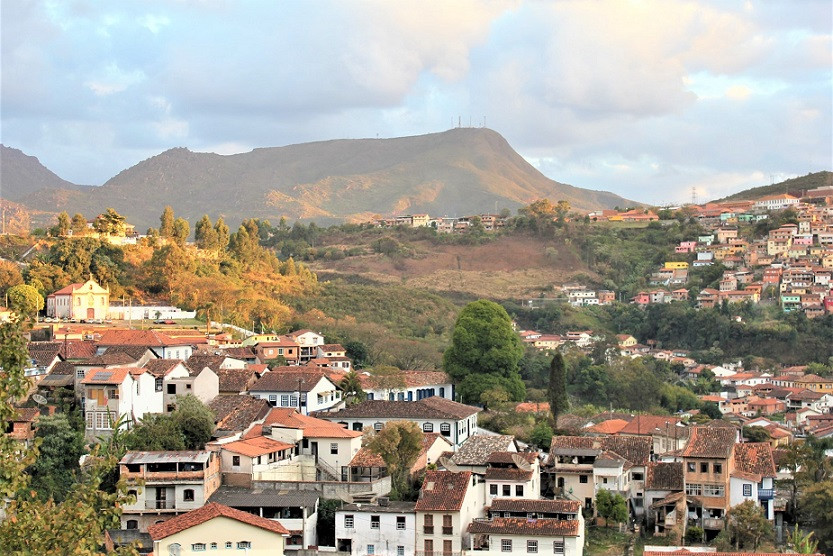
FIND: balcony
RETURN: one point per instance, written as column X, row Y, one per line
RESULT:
column 448, row 530
column 713, row 523
column 160, row 504
column 766, row 494
column 428, row 529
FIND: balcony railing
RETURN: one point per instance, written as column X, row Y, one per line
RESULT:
column 448, row 530
column 712, row 523
column 160, row 504
column 766, row 493
column 428, row 529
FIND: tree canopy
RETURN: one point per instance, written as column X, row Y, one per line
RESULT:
column 399, row 444
column 484, row 352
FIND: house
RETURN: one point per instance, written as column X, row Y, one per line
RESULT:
column 448, row 503
column 179, row 379
column 296, row 510
column 416, row 385
column 386, row 528
column 164, row 346
column 284, row 347
column 85, row 301
column 126, row 393
column 454, row 421
column 214, row 526
column 367, row 465
column 166, row 484
column 776, row 202
column 306, row 390
column 513, row 475
column 753, row 477
column 664, row 496
column 529, row 526
column 475, row 452
column 235, row 414
column 708, row 465
column 233, row 382
column 241, row 459
column 308, row 342
column 23, row 424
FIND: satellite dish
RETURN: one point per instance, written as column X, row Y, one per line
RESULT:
column 446, row 463
column 521, row 463
column 40, row 400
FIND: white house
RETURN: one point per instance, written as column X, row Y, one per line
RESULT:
column 79, row 301
column 307, row 391
column 754, row 477
column 416, row 386
column 454, row 421
column 386, row 528
column 110, row 394
column 447, row 505
column 164, row 346
column 513, row 475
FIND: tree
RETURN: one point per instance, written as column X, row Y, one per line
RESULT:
column 816, row 512
column 494, row 399
column 155, row 432
column 78, row 224
column 712, row 410
column 612, row 507
column 801, row 542
column 399, row 444
column 351, row 385
column 56, row 469
column 756, row 434
column 110, row 222
column 541, row 435
column 25, row 300
column 222, row 233
column 9, row 276
column 204, row 234
column 181, row 231
column 387, row 378
column 64, row 224
column 166, row 222
column 749, row 525
column 484, row 344
column 557, row 389
column 195, row 421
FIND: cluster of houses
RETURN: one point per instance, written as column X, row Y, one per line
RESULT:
column 444, row 224
column 550, row 342
column 796, row 260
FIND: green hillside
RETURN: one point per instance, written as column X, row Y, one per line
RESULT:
column 795, row 186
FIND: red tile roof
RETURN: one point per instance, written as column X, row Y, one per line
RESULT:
column 115, row 375
column 443, row 491
column 647, row 424
column 710, row 442
column 538, row 506
column 148, row 338
column 257, row 446
column 755, row 457
column 208, row 512
column 611, row 426
column 524, row 526
column 288, row 379
column 312, row 427
column 67, row 289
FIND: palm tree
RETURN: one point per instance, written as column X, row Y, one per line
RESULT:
column 351, row 384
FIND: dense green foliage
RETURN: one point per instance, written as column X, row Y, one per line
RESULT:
column 398, row 444
column 611, row 506
column 56, row 470
column 484, row 352
column 188, row 427
column 557, row 388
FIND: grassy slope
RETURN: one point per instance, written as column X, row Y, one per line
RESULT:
column 792, row 186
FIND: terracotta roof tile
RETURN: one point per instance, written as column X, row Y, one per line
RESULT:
column 524, row 526
column 477, row 449
column 507, row 474
column 136, row 352
column 710, row 442
column 208, row 512
column 539, row 506
column 634, row 449
column 257, row 446
column 288, row 379
column 231, row 380
column 443, row 491
column 312, row 427
column 647, row 424
column 44, row 353
column 611, row 426
column 148, row 338
column 115, row 375
column 236, row 413
column 665, row 476
column 755, row 457
column 161, row 367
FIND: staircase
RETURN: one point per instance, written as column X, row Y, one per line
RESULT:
column 326, row 472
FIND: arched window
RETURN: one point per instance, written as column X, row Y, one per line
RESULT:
column 428, row 427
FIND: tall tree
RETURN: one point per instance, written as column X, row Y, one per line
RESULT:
column 56, row 469
column 78, row 224
column 351, row 385
column 166, row 222
column 398, row 444
column 181, row 231
column 9, row 276
column 749, row 525
column 195, row 421
column 64, row 224
column 611, row 506
column 557, row 388
column 25, row 300
column 222, row 233
column 484, row 352
column 816, row 511
column 204, row 234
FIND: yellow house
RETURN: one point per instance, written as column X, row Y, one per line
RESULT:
column 79, row 301
column 218, row 527
column 815, row 383
column 675, row 264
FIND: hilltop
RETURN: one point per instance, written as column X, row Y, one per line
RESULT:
column 794, row 186
column 24, row 175
column 460, row 171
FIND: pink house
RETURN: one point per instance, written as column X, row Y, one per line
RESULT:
column 686, row 247
column 642, row 298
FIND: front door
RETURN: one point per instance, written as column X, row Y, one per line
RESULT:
column 314, row 448
column 90, row 313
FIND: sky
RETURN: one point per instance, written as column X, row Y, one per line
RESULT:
column 656, row 100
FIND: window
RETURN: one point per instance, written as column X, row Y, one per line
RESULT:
column 428, row 525
column 293, row 401
column 493, row 490
column 235, row 461
column 284, row 400
column 447, row 547
column 79, row 373
column 558, row 547
column 713, row 490
column 400, row 550
column 694, row 489
column 506, row 545
column 244, row 545
column 532, row 547
column 171, row 388
column 134, row 524
column 507, row 490
column 636, row 476
column 400, row 522
column 519, row 490
column 445, row 429
column 582, row 479
column 448, row 528
column 214, row 546
column 374, row 522
column 273, row 400
column 704, row 467
column 371, row 549
column 604, row 480
column 348, row 522
column 747, row 491
column 228, row 544
column 691, row 467
column 377, row 426
column 333, row 448
column 717, row 468
column 429, row 547
column 198, row 547
column 158, row 384
column 428, row 427
column 188, row 494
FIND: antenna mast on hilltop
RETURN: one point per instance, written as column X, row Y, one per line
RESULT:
column 693, row 195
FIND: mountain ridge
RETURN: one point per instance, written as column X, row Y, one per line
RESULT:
column 455, row 172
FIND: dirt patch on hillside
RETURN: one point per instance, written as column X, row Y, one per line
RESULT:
column 505, row 268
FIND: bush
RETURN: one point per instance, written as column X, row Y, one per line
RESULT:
column 694, row 535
